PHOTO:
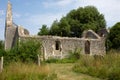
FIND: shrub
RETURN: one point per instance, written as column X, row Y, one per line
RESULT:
column 114, row 74
column 2, row 51
column 105, row 68
column 26, row 51
column 75, row 54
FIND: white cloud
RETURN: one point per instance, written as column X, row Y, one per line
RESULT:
column 110, row 9
column 43, row 19
column 60, row 3
column 34, row 22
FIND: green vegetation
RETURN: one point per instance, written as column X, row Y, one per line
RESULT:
column 107, row 67
column 44, row 30
column 113, row 41
column 2, row 51
column 1, row 44
column 20, row 63
column 65, row 60
column 76, row 21
column 25, row 52
column 65, row 72
column 23, row 57
column 72, row 58
column 20, row 71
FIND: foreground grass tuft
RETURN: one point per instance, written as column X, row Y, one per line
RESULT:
column 20, row 71
column 105, row 68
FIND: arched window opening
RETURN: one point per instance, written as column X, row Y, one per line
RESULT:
column 57, row 45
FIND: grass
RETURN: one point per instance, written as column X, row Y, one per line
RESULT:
column 107, row 67
column 20, row 71
column 65, row 72
column 51, row 71
column 85, row 68
column 65, row 60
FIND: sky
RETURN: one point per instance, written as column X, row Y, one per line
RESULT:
column 32, row 14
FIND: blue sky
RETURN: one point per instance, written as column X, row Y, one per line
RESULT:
column 32, row 14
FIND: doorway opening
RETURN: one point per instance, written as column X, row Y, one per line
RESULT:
column 87, row 47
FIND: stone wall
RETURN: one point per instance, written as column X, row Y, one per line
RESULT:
column 10, row 37
column 58, row 47
column 97, row 46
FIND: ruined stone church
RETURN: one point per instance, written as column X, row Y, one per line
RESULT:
column 90, row 43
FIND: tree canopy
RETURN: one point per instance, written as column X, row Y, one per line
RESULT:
column 78, row 20
column 114, row 37
column 54, row 30
column 44, row 30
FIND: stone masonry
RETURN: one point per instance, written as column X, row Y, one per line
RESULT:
column 54, row 46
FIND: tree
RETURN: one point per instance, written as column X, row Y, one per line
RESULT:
column 54, row 30
column 114, row 37
column 44, row 30
column 61, row 28
column 64, row 27
column 79, row 20
column 85, row 18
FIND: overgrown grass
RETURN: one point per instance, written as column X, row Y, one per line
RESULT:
column 65, row 60
column 20, row 71
column 107, row 67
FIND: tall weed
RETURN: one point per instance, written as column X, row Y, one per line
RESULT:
column 107, row 67
column 20, row 71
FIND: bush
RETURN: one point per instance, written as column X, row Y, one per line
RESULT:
column 26, row 51
column 2, row 51
column 75, row 54
column 105, row 68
